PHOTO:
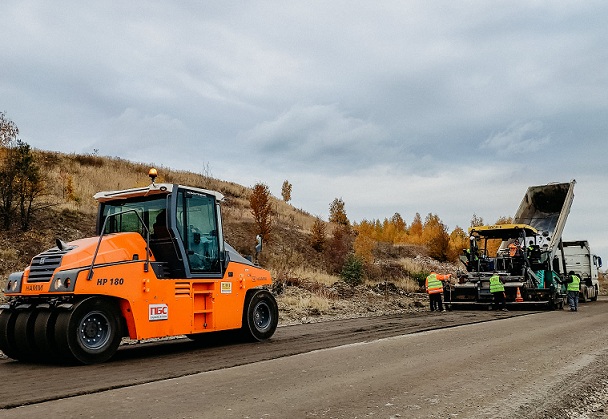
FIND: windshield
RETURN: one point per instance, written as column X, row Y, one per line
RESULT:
column 148, row 209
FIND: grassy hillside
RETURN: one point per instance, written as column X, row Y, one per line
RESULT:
column 67, row 211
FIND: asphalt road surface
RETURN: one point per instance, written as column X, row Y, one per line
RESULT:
column 461, row 364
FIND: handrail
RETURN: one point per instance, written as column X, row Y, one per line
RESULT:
column 103, row 227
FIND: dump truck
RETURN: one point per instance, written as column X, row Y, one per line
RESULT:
column 527, row 258
column 158, row 267
column 579, row 259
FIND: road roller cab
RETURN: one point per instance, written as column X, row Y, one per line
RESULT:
column 158, row 267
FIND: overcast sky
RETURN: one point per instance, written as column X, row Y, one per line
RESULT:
column 446, row 107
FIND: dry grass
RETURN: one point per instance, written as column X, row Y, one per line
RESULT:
column 316, row 282
column 411, row 265
column 315, row 276
column 89, row 174
column 312, row 304
column 407, row 284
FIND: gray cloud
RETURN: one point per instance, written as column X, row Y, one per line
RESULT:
column 319, row 135
column 519, row 138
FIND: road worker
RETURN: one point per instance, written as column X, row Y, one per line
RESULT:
column 573, row 288
column 514, row 248
column 472, row 255
column 497, row 289
column 434, row 287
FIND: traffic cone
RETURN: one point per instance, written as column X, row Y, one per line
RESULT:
column 518, row 298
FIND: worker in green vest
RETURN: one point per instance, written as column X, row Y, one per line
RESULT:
column 497, row 289
column 434, row 287
column 573, row 288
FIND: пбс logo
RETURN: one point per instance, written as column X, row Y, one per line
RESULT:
column 158, row 312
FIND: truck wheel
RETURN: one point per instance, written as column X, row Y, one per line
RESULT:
column 583, row 296
column 7, row 333
column 24, row 334
column 596, row 292
column 260, row 315
column 44, row 336
column 90, row 332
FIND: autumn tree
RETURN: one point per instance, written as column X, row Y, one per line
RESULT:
column 364, row 248
column 286, row 191
column 416, row 229
column 68, row 190
column 337, row 212
column 504, row 220
column 476, row 221
column 317, row 239
column 339, row 247
column 398, row 222
column 436, row 237
column 259, row 201
column 458, row 241
column 20, row 177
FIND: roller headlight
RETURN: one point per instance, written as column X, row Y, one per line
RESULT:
column 64, row 281
column 13, row 284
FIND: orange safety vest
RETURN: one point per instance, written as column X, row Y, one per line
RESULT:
column 434, row 284
column 514, row 250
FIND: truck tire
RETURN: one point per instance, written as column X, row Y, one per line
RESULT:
column 44, row 335
column 7, row 333
column 260, row 315
column 596, row 292
column 24, row 335
column 90, row 332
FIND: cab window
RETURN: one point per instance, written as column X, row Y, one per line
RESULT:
column 127, row 216
column 198, row 227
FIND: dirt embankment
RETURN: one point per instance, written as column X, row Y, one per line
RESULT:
column 299, row 305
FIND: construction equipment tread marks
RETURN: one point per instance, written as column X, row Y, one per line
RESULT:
column 90, row 332
column 260, row 315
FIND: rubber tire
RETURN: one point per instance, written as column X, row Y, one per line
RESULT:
column 24, row 335
column 260, row 315
column 596, row 294
column 44, row 335
column 7, row 333
column 96, row 319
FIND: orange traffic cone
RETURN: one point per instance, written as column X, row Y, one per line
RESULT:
column 518, row 298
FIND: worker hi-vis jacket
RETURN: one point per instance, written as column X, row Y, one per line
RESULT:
column 433, row 283
column 496, row 285
column 575, row 284
column 514, row 249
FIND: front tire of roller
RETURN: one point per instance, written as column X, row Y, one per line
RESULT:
column 90, row 333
